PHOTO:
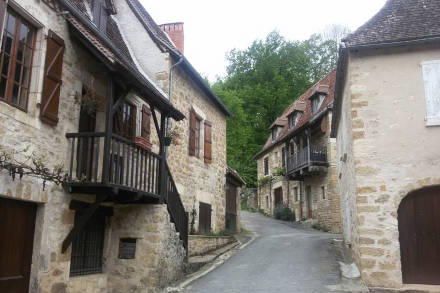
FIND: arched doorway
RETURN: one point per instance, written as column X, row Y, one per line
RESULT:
column 419, row 236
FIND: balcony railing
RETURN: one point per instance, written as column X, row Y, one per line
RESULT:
column 307, row 156
column 127, row 167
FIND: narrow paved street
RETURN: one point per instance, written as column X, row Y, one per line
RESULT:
column 284, row 258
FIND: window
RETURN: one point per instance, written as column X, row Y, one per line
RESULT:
column 293, row 119
column 323, row 192
column 124, row 121
column 295, row 193
column 16, row 60
column 100, row 14
column 266, row 166
column 194, row 137
column 283, row 156
column 431, row 79
column 87, row 246
column 127, row 248
column 208, row 142
column 274, row 133
column 146, row 118
column 316, row 102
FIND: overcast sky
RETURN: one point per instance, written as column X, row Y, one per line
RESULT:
column 213, row 27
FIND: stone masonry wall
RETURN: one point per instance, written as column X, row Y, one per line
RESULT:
column 394, row 151
column 201, row 244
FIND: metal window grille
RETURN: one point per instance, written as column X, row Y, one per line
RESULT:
column 87, row 247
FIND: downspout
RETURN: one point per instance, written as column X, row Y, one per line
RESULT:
column 170, row 97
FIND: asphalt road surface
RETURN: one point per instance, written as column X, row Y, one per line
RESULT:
column 285, row 257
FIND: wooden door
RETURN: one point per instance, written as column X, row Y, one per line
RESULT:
column 278, row 196
column 419, row 235
column 231, row 207
column 309, row 202
column 204, row 218
column 17, row 222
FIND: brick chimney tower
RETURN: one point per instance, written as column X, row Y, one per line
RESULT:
column 175, row 32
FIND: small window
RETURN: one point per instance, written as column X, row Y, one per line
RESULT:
column 197, row 137
column 266, row 166
column 127, row 248
column 316, row 102
column 87, row 246
column 274, row 133
column 323, row 192
column 16, row 60
column 293, row 119
column 124, row 121
column 100, row 15
column 194, row 137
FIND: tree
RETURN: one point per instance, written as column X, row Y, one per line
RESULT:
column 261, row 81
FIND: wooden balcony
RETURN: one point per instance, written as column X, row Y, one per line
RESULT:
column 307, row 161
column 127, row 173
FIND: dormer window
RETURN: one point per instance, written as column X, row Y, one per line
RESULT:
column 100, row 14
column 274, row 133
column 317, row 102
column 293, row 119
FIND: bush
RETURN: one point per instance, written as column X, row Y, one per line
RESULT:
column 282, row 212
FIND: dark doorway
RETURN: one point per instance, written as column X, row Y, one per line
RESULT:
column 204, row 218
column 309, row 201
column 419, row 235
column 86, row 145
column 17, row 223
column 231, row 207
column 278, row 196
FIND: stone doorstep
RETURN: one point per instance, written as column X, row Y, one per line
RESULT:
column 196, row 262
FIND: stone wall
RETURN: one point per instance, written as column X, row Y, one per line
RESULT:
column 387, row 151
column 200, row 244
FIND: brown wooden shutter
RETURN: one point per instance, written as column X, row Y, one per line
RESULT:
column 208, row 142
column 2, row 16
column 192, row 134
column 52, row 79
column 146, row 118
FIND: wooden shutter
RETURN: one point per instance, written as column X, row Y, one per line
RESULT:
column 2, row 17
column 52, row 79
column 146, row 118
column 208, row 142
column 192, row 134
column 283, row 156
column 431, row 75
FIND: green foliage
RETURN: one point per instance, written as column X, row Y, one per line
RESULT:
column 192, row 230
column 261, row 81
column 282, row 212
column 280, row 171
column 264, row 180
column 317, row 226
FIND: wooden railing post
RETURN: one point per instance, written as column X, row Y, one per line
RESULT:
column 162, row 169
column 308, row 146
column 108, row 131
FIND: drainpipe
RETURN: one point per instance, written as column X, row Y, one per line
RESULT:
column 170, row 97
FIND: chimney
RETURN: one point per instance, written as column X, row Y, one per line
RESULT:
column 175, row 32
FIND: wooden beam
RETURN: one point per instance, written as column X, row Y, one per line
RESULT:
column 82, row 206
column 108, row 131
column 162, row 168
column 156, row 124
column 88, row 213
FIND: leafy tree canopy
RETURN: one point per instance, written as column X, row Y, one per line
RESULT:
column 263, row 80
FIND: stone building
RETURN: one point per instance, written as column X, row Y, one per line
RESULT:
column 386, row 121
column 74, row 92
column 297, row 166
column 197, row 156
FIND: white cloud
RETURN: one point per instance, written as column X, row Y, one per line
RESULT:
column 214, row 27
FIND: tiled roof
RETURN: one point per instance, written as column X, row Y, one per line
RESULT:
column 399, row 20
column 304, row 105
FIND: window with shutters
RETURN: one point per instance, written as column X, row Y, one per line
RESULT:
column 266, row 166
column 431, row 79
column 87, row 246
column 17, row 51
column 317, row 102
column 208, row 142
column 194, row 136
column 124, row 121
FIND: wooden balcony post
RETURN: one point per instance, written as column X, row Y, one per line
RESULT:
column 162, row 166
column 108, row 131
column 308, row 145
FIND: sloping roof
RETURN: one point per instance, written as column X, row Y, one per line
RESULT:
column 234, row 174
column 399, row 20
column 114, row 52
column 303, row 102
column 164, row 42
